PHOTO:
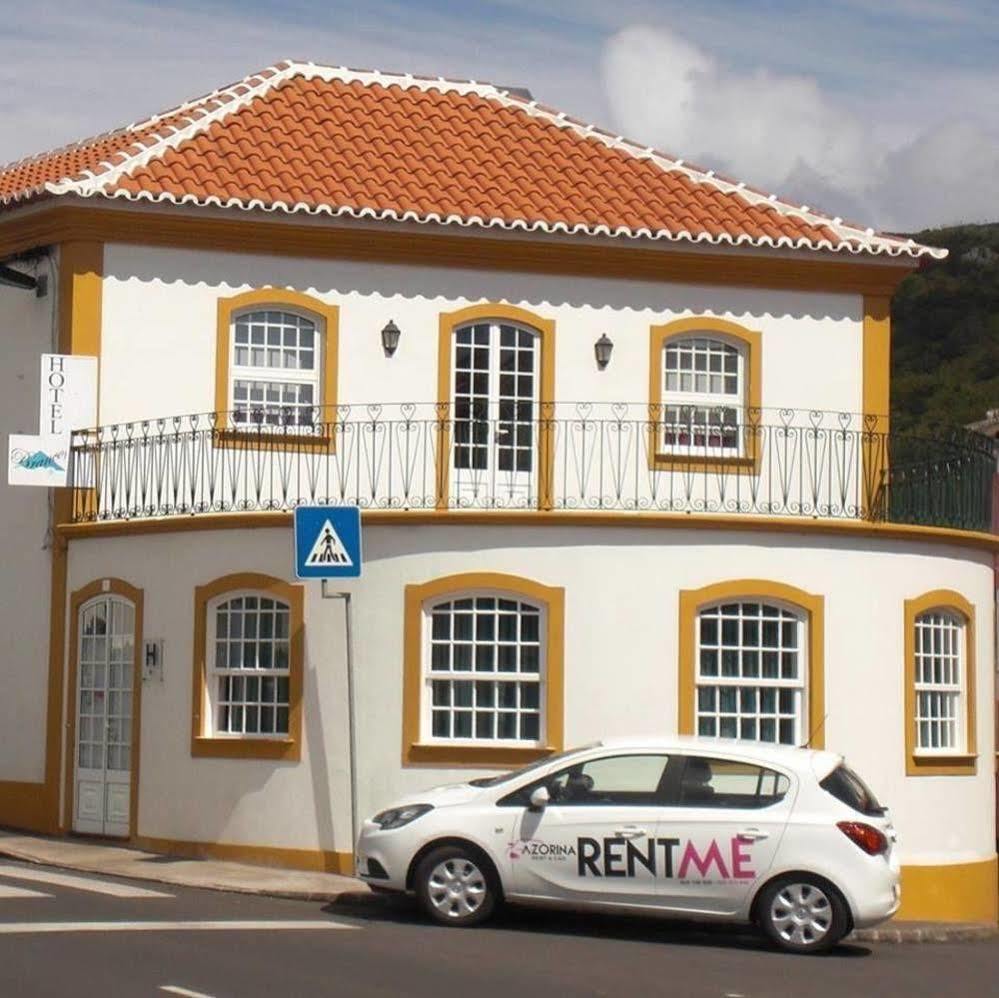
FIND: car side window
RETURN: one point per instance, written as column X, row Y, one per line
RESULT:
column 619, row 779
column 725, row 783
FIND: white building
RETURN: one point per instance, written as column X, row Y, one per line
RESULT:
column 628, row 468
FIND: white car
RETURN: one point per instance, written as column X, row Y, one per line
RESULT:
column 789, row 839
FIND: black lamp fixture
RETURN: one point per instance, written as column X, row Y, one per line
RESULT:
column 602, row 350
column 390, row 338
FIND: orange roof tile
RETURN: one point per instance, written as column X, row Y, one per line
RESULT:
column 304, row 138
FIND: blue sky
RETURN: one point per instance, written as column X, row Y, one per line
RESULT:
column 882, row 110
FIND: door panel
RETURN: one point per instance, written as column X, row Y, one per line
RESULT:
column 595, row 841
column 106, row 657
column 723, row 828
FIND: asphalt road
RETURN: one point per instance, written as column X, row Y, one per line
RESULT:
column 75, row 943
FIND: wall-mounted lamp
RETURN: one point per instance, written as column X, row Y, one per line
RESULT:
column 390, row 338
column 602, row 350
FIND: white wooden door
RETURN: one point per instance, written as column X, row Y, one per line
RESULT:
column 106, row 657
column 495, row 396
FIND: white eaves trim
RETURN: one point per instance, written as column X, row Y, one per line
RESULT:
column 208, row 110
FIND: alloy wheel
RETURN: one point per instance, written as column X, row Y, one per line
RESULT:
column 801, row 914
column 456, row 888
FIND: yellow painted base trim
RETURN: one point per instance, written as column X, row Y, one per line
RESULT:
column 27, row 807
column 956, row 892
column 536, row 518
column 314, row 860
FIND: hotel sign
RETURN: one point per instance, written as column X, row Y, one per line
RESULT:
column 67, row 402
column 68, row 398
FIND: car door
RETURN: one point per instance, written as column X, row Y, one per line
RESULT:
column 721, row 828
column 595, row 840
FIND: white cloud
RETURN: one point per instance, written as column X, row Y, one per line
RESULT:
column 782, row 132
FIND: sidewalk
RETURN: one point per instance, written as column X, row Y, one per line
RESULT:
column 119, row 861
column 219, row 875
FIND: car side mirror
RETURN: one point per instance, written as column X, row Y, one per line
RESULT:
column 540, row 798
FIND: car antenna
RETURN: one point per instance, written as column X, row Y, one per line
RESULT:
column 815, row 731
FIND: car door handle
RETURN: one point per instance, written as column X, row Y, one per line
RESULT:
column 752, row 834
column 629, row 832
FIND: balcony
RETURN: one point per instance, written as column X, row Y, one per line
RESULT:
column 566, row 458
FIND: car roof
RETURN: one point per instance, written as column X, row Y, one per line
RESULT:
column 817, row 761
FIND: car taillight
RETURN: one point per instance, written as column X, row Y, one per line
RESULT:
column 866, row 837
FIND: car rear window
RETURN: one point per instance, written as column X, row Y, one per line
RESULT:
column 846, row 786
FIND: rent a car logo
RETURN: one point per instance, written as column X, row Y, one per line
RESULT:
column 618, row 857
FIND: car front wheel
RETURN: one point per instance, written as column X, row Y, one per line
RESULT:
column 454, row 887
column 803, row 914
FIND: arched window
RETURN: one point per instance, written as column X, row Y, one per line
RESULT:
column 703, row 399
column 752, row 662
column 940, row 685
column 483, row 670
column 249, row 662
column 275, row 369
column 496, row 384
column 751, row 672
column 248, row 667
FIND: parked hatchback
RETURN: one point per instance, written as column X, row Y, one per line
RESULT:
column 790, row 840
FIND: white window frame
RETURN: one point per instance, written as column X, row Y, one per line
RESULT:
column 957, row 693
column 213, row 674
column 677, row 397
column 497, row 431
column 428, row 676
column 268, row 374
column 798, row 686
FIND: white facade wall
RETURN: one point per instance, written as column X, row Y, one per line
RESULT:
column 159, row 326
column 26, row 332
column 621, row 585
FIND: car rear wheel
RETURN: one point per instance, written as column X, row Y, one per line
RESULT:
column 455, row 887
column 803, row 914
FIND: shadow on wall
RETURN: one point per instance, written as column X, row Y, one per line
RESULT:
column 231, row 273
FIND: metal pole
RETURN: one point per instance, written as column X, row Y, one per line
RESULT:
column 351, row 722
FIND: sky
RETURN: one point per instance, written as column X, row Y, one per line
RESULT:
column 881, row 111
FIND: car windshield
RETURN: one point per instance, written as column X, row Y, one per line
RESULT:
column 495, row 781
column 845, row 785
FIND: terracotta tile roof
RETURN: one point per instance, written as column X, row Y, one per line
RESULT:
column 319, row 140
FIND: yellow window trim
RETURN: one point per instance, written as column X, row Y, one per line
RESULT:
column 329, row 316
column 287, row 749
column 416, row 596
column 751, row 342
column 545, row 328
column 958, row 763
column 691, row 601
column 124, row 590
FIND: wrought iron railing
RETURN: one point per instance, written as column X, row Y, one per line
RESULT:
column 568, row 457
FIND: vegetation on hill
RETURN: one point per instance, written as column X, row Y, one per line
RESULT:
column 945, row 332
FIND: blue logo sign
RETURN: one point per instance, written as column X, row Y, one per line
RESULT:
column 327, row 542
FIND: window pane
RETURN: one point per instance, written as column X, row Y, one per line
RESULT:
column 490, row 636
column 761, row 660
column 723, row 783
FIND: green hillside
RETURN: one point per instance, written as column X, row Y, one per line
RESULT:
column 945, row 332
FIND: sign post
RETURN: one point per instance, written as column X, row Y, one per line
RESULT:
column 328, row 546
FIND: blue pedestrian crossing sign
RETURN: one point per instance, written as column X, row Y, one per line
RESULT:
column 327, row 542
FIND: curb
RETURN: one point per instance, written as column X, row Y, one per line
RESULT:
column 927, row 932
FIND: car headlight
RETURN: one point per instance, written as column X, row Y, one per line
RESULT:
column 396, row 817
